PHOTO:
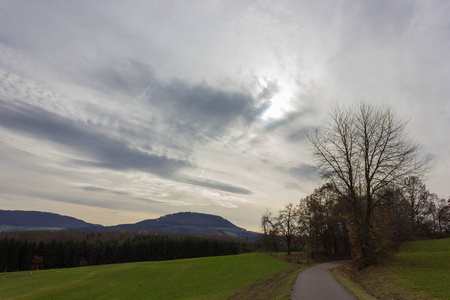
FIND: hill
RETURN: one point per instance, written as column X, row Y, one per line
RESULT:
column 187, row 223
column 14, row 220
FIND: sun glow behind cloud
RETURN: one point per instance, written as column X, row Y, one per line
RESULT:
column 280, row 104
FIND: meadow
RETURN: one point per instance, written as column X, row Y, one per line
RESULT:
column 425, row 267
column 198, row 278
column 420, row 270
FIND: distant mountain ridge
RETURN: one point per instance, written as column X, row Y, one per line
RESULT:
column 184, row 223
column 23, row 218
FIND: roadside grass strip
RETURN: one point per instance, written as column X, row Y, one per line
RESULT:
column 276, row 287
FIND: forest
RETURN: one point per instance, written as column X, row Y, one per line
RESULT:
column 22, row 254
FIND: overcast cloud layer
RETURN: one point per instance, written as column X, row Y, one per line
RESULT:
column 122, row 111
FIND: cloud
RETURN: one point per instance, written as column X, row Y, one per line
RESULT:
column 95, row 149
column 128, row 76
column 298, row 135
column 181, row 111
column 303, row 172
column 91, row 188
column 198, row 110
column 202, row 111
column 98, row 189
column 217, row 186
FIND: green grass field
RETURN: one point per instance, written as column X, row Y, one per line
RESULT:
column 199, row 278
column 424, row 266
column 420, row 270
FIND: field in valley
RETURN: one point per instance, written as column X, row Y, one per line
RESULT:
column 200, row 278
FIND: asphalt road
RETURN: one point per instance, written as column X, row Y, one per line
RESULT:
column 317, row 283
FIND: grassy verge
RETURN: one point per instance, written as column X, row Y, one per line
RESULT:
column 342, row 274
column 278, row 286
column 200, row 278
column 421, row 270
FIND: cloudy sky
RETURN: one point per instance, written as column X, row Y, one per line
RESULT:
column 119, row 111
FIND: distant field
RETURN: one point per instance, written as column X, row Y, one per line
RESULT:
column 421, row 270
column 199, row 278
column 27, row 228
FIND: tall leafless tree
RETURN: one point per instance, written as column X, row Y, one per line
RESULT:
column 270, row 231
column 361, row 151
column 444, row 216
column 265, row 226
column 287, row 222
column 415, row 193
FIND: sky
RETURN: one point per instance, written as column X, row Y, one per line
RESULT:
column 115, row 112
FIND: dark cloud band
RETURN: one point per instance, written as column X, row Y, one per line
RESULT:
column 95, row 148
column 217, row 186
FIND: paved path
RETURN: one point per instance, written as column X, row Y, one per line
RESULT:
column 317, row 283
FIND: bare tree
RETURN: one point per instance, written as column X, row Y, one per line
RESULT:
column 431, row 211
column 265, row 226
column 362, row 151
column 444, row 216
column 270, row 231
column 416, row 194
column 287, row 223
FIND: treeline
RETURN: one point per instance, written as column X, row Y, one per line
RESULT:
column 317, row 225
column 19, row 255
column 65, row 235
column 323, row 222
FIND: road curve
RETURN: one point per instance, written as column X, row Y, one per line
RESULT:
column 317, row 283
